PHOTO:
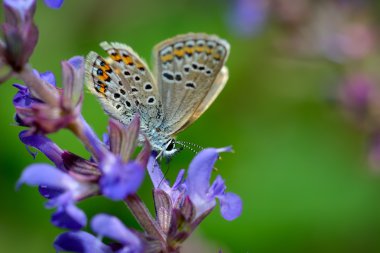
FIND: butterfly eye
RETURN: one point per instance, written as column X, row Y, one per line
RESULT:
column 170, row 147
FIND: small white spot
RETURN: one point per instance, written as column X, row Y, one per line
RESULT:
column 111, row 51
column 166, row 50
column 178, row 45
column 221, row 50
column 200, row 43
column 123, row 53
column 211, row 44
column 190, row 43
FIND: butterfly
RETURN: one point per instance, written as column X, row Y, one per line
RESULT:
column 189, row 73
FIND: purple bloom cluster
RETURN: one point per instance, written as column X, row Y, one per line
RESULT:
column 181, row 207
column 111, row 171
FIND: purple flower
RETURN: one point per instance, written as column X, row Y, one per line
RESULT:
column 70, row 190
column 248, row 16
column 20, row 33
column 176, row 192
column 105, row 226
column 49, row 116
column 80, row 242
column 45, row 145
column 181, row 207
column 70, row 163
column 120, row 179
column 113, row 228
column 55, row 4
column 114, row 175
column 198, row 187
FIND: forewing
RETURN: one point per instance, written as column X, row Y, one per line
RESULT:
column 186, row 69
column 124, row 85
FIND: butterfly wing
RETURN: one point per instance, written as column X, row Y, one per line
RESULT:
column 213, row 93
column 124, row 85
column 187, row 67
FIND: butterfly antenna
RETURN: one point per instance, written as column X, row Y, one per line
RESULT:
column 186, row 146
column 191, row 144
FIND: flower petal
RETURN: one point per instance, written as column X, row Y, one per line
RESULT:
column 45, row 145
column 72, row 80
column 120, row 179
column 50, row 192
column 198, row 180
column 80, row 242
column 179, row 180
column 55, row 4
column 112, row 227
column 79, row 168
column 69, row 217
column 217, row 188
column 23, row 97
column 144, row 155
column 44, row 174
column 156, row 175
column 199, row 173
column 49, row 77
column 230, row 206
column 123, row 140
column 99, row 150
column 22, row 8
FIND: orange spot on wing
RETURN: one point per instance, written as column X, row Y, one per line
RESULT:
column 189, row 50
column 167, row 57
column 128, row 60
column 200, row 49
column 101, row 88
column 115, row 57
column 140, row 66
column 216, row 56
column 179, row 52
column 104, row 77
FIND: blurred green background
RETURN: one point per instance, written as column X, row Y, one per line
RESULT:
column 298, row 165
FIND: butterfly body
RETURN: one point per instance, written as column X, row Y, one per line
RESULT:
column 189, row 74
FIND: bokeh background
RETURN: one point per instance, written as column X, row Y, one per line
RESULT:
column 300, row 165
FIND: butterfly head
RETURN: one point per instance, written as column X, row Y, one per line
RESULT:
column 169, row 148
